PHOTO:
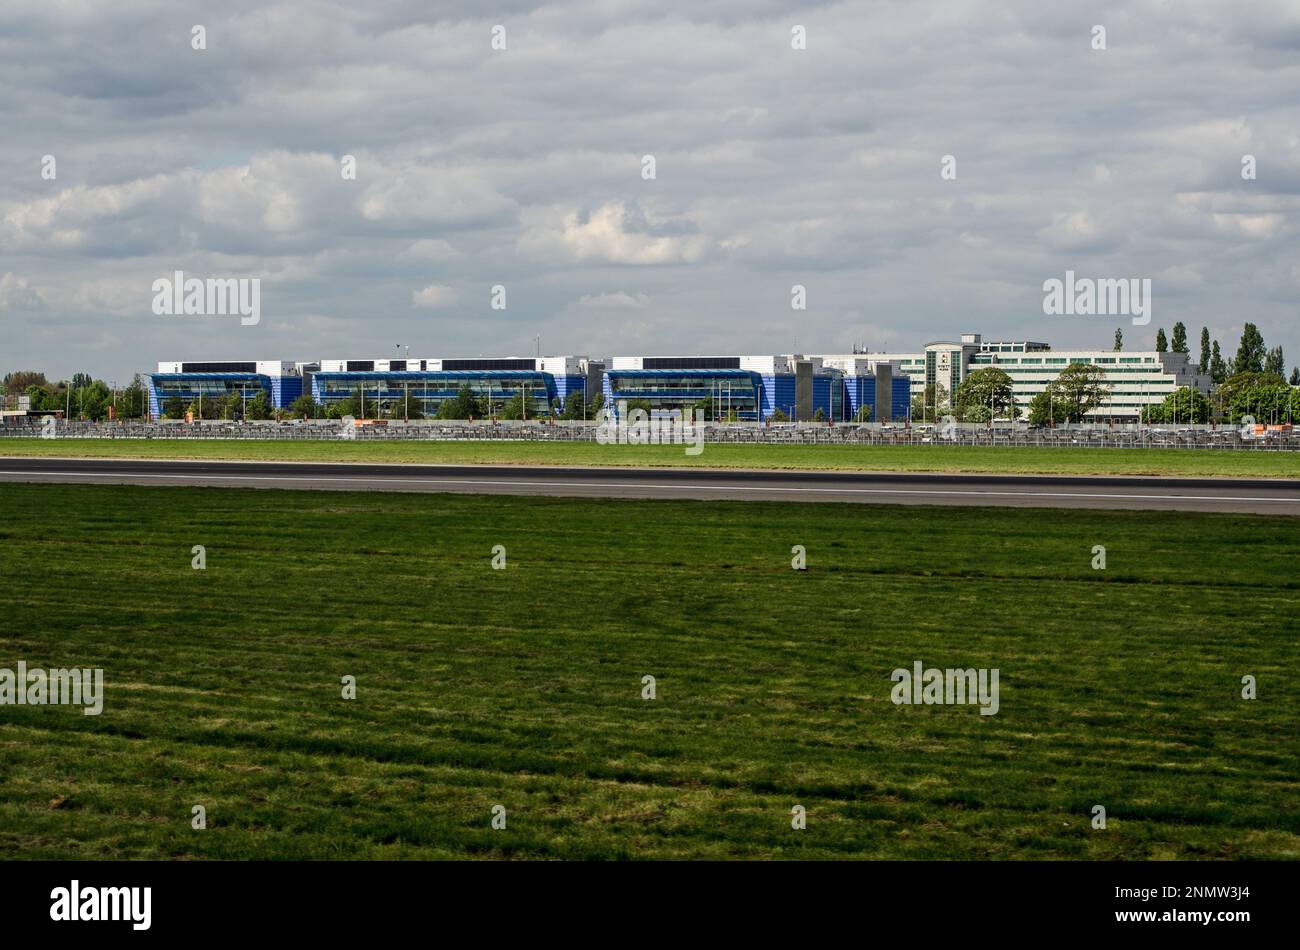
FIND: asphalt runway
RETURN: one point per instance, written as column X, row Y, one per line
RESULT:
column 1257, row 496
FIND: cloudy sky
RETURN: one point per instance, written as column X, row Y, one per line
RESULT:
column 523, row 167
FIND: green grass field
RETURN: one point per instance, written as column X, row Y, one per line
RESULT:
column 522, row 687
column 874, row 458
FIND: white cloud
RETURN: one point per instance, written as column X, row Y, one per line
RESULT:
column 431, row 249
column 17, row 294
column 614, row 232
column 774, row 168
column 618, row 300
column 434, row 297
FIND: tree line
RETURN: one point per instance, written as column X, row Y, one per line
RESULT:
column 466, row 404
column 79, row 397
column 1253, row 355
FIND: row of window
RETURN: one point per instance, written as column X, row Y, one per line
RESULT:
column 1062, row 360
column 341, row 389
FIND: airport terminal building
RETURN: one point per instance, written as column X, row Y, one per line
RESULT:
column 801, row 387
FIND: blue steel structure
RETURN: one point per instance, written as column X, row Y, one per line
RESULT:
column 735, row 389
column 861, row 391
column 428, row 389
column 748, row 393
column 191, row 386
column 751, row 395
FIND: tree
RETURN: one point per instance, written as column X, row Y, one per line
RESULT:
column 1179, row 342
column 818, row 416
column 513, row 408
column 931, row 404
column 1048, row 408
column 1295, row 375
column 351, row 406
column 257, row 406
column 1218, row 371
column 1082, row 387
column 92, row 400
column 231, row 405
column 1250, row 351
column 404, row 408
column 1204, row 365
column 984, row 390
column 1274, row 362
column 464, row 405
column 864, row 413
column 81, row 380
column 133, row 401
column 40, row 398
column 48, row 399
column 1182, row 405
column 173, row 407
column 22, row 380
column 1119, row 339
column 1263, row 395
column 574, row 407
column 779, row 416
column 305, row 406
column 211, row 407
column 1162, row 345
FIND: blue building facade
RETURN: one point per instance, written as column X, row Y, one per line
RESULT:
column 748, row 388
column 861, row 391
column 725, row 390
column 544, row 383
column 196, row 382
column 429, row 389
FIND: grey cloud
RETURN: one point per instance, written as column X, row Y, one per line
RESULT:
column 522, row 167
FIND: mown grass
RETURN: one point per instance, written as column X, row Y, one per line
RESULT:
column 1065, row 460
column 522, row 687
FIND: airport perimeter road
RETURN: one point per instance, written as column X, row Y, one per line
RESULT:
column 1259, row 496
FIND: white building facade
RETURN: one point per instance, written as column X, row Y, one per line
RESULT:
column 1134, row 379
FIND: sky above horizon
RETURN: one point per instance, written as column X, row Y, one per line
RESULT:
column 524, row 167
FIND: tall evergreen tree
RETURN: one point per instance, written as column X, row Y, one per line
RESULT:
column 1119, row 339
column 1204, row 365
column 1179, row 342
column 1162, row 345
column 1218, row 371
column 1250, row 352
column 1275, row 363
